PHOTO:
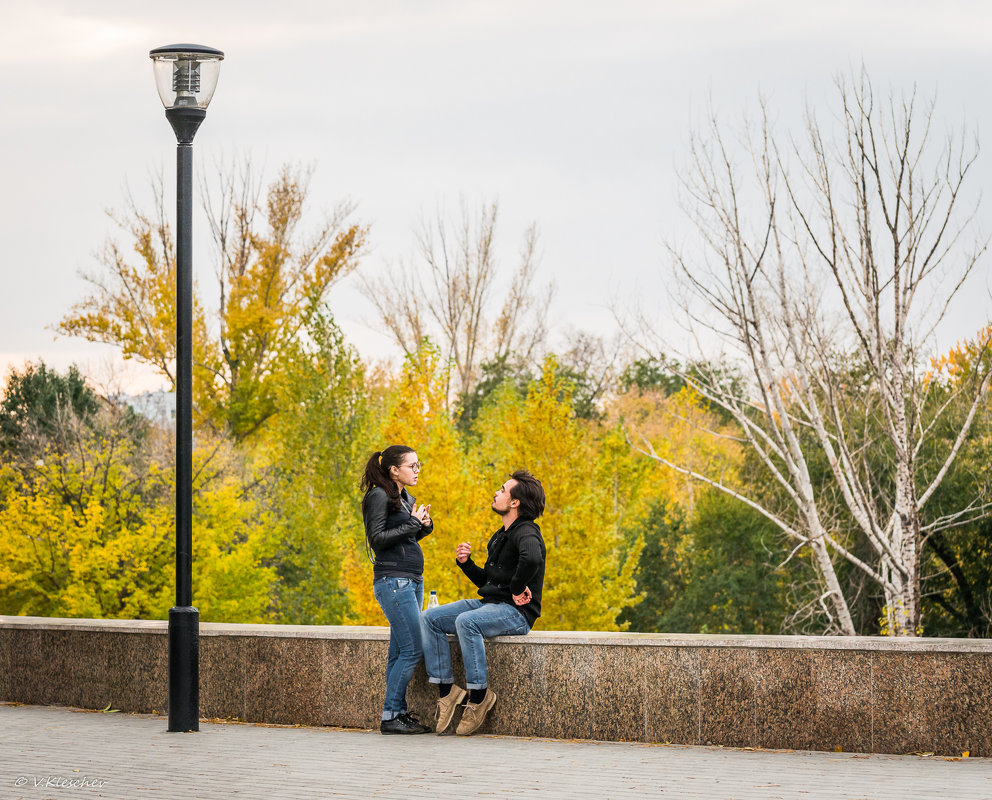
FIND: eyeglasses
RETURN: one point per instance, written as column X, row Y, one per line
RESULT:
column 416, row 466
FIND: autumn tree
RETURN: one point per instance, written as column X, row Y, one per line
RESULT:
column 590, row 482
column 589, row 365
column 447, row 293
column 416, row 415
column 269, row 274
column 591, row 479
column 707, row 565
column 677, row 427
column 88, row 526
column 812, row 258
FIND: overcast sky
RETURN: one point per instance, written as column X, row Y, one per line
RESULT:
column 572, row 113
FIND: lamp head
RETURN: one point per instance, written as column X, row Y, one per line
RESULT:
column 186, row 74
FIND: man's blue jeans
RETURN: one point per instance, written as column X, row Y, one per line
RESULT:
column 400, row 600
column 473, row 621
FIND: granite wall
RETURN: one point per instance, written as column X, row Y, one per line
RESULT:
column 863, row 694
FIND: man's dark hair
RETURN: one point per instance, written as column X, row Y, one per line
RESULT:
column 530, row 493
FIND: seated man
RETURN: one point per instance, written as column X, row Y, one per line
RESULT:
column 510, row 588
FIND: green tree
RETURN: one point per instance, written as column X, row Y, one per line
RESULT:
column 957, row 568
column 37, row 402
column 314, row 450
column 716, row 571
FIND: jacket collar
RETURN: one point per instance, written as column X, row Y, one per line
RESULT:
column 518, row 522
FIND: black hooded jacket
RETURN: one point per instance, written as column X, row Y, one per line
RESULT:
column 514, row 562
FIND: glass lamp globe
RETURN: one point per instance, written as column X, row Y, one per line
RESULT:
column 186, row 74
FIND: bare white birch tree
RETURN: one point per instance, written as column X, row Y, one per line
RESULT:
column 816, row 256
column 448, row 291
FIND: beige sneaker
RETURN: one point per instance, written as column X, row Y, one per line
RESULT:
column 475, row 714
column 446, row 707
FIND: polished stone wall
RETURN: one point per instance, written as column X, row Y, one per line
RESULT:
column 864, row 694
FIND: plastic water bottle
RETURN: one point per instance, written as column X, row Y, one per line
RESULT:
column 432, row 602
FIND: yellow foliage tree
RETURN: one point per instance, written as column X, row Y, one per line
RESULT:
column 269, row 279
column 90, row 532
column 134, row 303
column 589, row 480
column 233, row 576
column 678, row 428
column 419, row 418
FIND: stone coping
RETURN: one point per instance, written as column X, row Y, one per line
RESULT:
column 622, row 639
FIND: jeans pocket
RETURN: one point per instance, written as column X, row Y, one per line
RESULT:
column 401, row 583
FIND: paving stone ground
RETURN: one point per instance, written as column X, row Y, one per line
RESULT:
column 52, row 752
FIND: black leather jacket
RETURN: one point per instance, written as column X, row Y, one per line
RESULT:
column 394, row 535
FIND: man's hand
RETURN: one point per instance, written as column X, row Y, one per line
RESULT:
column 523, row 598
column 463, row 551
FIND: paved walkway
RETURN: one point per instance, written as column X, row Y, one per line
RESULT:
column 48, row 752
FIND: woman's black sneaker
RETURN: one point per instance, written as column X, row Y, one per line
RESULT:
column 404, row 723
column 412, row 719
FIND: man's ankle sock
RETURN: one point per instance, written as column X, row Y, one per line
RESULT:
column 443, row 689
column 476, row 695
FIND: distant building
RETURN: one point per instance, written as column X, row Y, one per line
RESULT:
column 159, row 407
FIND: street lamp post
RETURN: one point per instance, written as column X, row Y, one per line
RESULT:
column 186, row 76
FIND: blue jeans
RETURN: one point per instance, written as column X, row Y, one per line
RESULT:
column 473, row 621
column 400, row 600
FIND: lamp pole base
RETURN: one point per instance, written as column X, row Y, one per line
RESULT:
column 184, row 669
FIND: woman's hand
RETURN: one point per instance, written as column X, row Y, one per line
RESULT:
column 422, row 514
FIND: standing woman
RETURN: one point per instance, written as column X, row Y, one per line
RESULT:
column 394, row 525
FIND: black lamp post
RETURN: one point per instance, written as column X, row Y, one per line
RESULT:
column 186, row 76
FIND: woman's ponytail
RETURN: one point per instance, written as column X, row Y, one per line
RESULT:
column 373, row 472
